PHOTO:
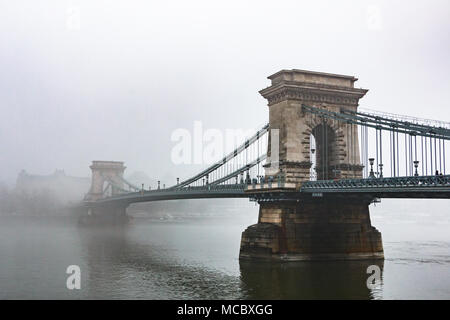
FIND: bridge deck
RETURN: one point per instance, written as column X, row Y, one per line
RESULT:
column 398, row 187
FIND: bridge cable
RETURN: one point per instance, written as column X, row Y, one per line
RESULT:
column 440, row 156
column 362, row 149
column 411, row 164
column 413, row 154
column 390, row 151
column 386, row 123
column 415, row 148
column 367, row 149
column 325, row 128
column 406, row 157
column 376, row 153
column 398, row 156
column 409, row 126
column 392, row 155
column 431, row 157
column 257, row 154
column 435, row 155
column 348, row 149
column 395, row 171
column 426, row 156
column 443, row 145
column 218, row 165
column 411, row 147
column 323, row 149
column 421, row 150
column 410, row 154
column 381, row 155
column 352, row 146
column 397, row 163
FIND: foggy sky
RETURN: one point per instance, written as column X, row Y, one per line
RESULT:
column 118, row 84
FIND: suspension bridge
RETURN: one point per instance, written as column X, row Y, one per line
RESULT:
column 313, row 169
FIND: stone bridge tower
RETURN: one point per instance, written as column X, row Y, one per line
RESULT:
column 104, row 172
column 336, row 143
column 324, row 227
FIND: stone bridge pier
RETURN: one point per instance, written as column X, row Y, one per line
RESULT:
column 309, row 145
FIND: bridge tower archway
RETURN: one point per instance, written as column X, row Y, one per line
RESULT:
column 323, row 155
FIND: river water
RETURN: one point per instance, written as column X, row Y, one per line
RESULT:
column 197, row 258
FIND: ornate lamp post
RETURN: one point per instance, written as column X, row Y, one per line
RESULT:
column 372, row 174
column 247, row 177
column 381, row 170
column 416, row 164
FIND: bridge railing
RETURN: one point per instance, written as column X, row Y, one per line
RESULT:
column 404, row 182
column 209, row 187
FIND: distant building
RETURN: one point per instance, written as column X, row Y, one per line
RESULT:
column 65, row 189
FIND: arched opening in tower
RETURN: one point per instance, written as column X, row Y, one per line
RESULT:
column 107, row 189
column 322, row 153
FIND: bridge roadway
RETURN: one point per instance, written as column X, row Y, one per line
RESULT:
column 437, row 187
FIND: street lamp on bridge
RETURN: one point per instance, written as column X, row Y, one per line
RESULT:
column 372, row 174
column 416, row 164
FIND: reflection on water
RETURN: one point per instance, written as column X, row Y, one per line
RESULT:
column 127, row 269
column 196, row 260
column 308, row 280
